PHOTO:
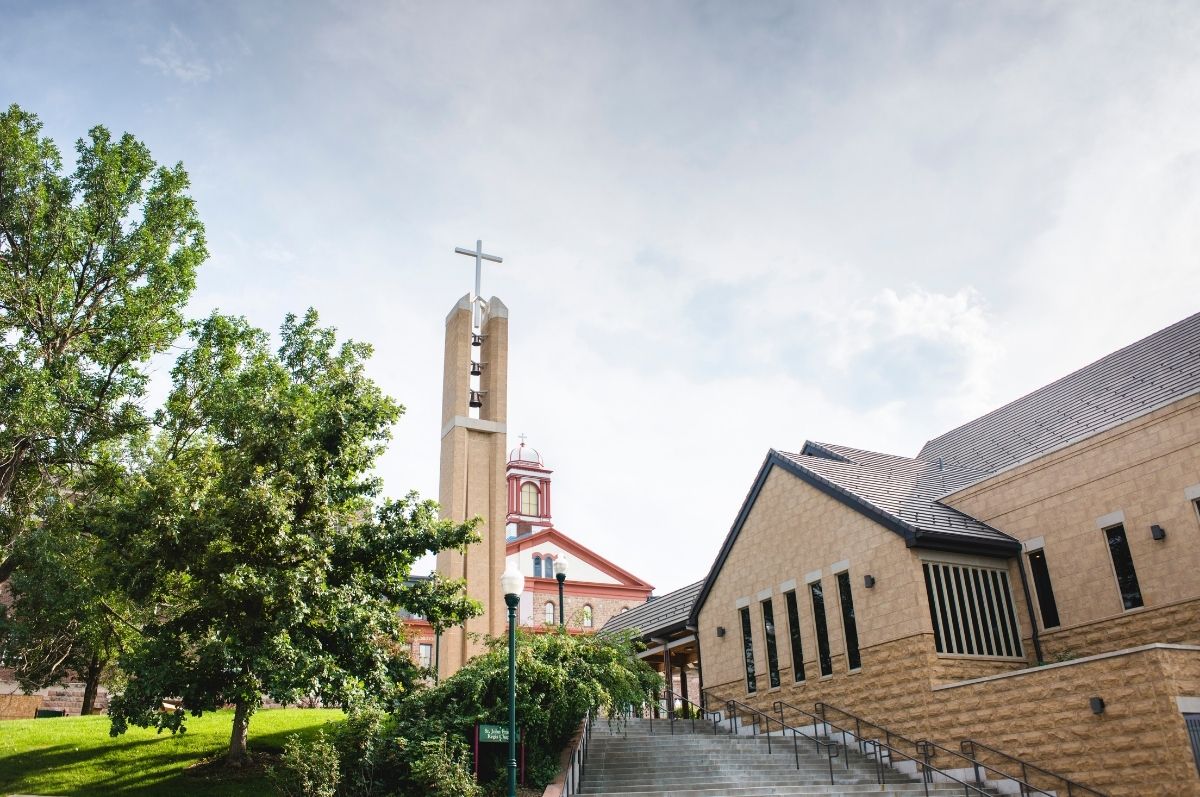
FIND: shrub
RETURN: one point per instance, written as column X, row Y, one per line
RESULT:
column 441, row 769
column 307, row 768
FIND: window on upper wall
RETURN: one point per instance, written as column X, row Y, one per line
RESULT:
column 772, row 650
column 818, row 603
column 972, row 611
column 548, row 612
column 529, row 499
column 846, row 598
column 537, row 566
column 1043, row 588
column 426, row 655
column 748, row 650
column 793, row 612
column 587, row 616
column 1122, row 559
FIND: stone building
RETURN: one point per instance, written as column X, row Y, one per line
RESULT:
column 1029, row 580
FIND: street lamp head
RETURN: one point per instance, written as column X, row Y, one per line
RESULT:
column 560, row 566
column 512, row 582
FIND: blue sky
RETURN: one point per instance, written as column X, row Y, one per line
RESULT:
column 726, row 227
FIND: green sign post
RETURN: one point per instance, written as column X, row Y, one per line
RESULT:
column 493, row 733
column 497, row 734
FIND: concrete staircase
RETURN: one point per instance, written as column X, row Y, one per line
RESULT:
column 634, row 758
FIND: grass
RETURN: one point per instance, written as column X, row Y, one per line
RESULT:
column 76, row 756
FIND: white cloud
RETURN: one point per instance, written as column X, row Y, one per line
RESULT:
column 177, row 57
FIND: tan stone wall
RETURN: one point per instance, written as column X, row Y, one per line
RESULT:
column 19, row 707
column 1141, row 469
column 1177, row 623
column 1137, row 746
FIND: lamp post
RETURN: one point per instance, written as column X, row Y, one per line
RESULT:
column 561, row 563
column 511, row 584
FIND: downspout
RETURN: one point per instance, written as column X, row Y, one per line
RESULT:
column 1037, row 645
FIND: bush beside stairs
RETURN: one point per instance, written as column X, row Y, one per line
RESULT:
column 643, row 758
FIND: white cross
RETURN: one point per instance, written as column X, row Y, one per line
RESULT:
column 522, row 435
column 476, row 299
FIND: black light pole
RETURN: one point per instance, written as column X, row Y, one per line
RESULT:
column 560, row 572
column 511, row 584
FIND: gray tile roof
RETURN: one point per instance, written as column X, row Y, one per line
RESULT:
column 904, row 489
column 1153, row 372
column 661, row 614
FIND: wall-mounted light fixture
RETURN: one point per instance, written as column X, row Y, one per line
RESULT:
column 720, row 630
column 1097, row 704
column 869, row 581
column 1158, row 532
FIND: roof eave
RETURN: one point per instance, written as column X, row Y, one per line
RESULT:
column 957, row 543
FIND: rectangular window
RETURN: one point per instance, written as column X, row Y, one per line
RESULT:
column 1045, row 592
column 748, row 650
column 1122, row 559
column 972, row 611
column 772, row 651
column 818, row 602
column 426, row 657
column 793, row 612
column 848, row 624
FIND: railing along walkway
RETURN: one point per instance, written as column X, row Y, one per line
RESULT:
column 927, row 750
column 573, row 775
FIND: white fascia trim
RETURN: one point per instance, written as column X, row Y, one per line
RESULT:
column 1036, row 544
column 811, row 576
column 741, row 603
column 1188, row 705
column 1111, row 519
column 788, row 585
column 764, row 594
column 839, row 567
column 474, row 424
column 1192, row 493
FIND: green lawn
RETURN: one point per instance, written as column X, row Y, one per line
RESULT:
column 75, row 755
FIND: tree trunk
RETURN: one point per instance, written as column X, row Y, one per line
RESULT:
column 92, row 684
column 237, row 741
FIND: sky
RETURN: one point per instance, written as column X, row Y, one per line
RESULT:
column 726, row 227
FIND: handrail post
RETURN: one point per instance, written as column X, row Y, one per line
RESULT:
column 729, row 712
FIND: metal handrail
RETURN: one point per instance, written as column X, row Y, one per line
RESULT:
column 923, row 748
column 734, row 707
column 968, row 748
column 671, row 698
column 574, row 772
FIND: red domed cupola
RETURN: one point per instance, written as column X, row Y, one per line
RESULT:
column 528, row 489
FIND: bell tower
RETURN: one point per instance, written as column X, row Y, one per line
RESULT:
column 472, row 480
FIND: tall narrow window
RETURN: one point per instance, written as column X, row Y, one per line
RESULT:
column 1045, row 592
column 548, row 612
column 426, row 655
column 848, row 625
column 793, row 612
column 818, row 602
column 537, row 566
column 772, row 651
column 748, row 650
column 1122, row 559
column 529, row 499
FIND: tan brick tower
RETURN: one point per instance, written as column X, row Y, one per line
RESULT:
column 474, row 453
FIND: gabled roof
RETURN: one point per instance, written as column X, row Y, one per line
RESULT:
column 658, row 616
column 1143, row 376
column 899, row 493
column 578, row 550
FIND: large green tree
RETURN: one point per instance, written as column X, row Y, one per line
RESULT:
column 259, row 534
column 95, row 267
